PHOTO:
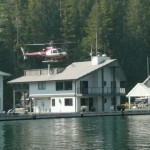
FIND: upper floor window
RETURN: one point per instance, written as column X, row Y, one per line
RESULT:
column 41, row 85
column 122, row 84
column 59, row 86
column 63, row 85
column 68, row 85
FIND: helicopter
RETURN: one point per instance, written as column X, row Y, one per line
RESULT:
column 50, row 53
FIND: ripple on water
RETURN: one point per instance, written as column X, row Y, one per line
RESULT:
column 104, row 133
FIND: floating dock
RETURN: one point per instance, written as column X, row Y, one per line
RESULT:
column 33, row 116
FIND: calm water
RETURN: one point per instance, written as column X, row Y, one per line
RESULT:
column 91, row 133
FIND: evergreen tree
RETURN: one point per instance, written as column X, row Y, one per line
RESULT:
column 119, row 28
column 137, row 40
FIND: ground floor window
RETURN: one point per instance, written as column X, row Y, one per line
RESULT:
column 68, row 102
column 53, row 102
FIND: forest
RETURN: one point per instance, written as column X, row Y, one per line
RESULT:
column 122, row 28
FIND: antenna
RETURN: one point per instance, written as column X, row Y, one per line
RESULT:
column 91, row 51
column 96, row 25
column 147, row 66
column 96, row 41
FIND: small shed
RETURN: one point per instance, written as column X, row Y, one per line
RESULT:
column 140, row 90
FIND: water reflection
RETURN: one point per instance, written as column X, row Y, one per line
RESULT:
column 102, row 133
column 139, row 134
column 1, row 136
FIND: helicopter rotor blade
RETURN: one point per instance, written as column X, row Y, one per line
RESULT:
column 50, row 43
column 35, row 44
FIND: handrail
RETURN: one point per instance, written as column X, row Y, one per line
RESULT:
column 100, row 90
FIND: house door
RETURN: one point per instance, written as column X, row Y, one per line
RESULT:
column 113, row 87
column 90, row 104
column 84, row 87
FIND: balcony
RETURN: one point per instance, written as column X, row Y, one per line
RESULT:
column 21, row 87
column 101, row 91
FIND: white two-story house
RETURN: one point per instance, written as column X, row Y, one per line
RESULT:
column 97, row 84
column 2, row 75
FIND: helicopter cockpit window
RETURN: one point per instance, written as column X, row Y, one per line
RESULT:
column 55, row 51
column 60, row 50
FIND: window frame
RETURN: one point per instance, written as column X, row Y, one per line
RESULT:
column 68, row 102
column 41, row 85
column 53, row 102
column 64, row 85
column 59, row 86
column 83, row 101
column 67, row 85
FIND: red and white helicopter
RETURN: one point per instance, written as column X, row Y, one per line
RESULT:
column 52, row 54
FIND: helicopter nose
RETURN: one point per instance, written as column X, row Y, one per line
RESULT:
column 64, row 53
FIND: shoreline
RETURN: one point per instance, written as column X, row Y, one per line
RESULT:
column 33, row 116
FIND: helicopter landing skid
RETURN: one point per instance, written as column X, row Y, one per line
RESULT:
column 49, row 61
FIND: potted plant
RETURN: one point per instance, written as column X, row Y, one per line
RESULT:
column 84, row 108
column 120, row 107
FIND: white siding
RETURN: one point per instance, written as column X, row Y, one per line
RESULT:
column 42, row 105
column 45, row 105
column 60, row 105
column 1, row 93
column 1, row 104
column 99, row 104
column 50, row 89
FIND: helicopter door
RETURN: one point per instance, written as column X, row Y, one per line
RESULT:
column 55, row 51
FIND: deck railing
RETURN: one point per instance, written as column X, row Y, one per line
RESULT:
column 101, row 91
column 139, row 106
column 21, row 87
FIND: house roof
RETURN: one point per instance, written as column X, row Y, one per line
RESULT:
column 139, row 90
column 4, row 74
column 74, row 71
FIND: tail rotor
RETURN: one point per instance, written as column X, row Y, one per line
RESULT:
column 23, row 52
